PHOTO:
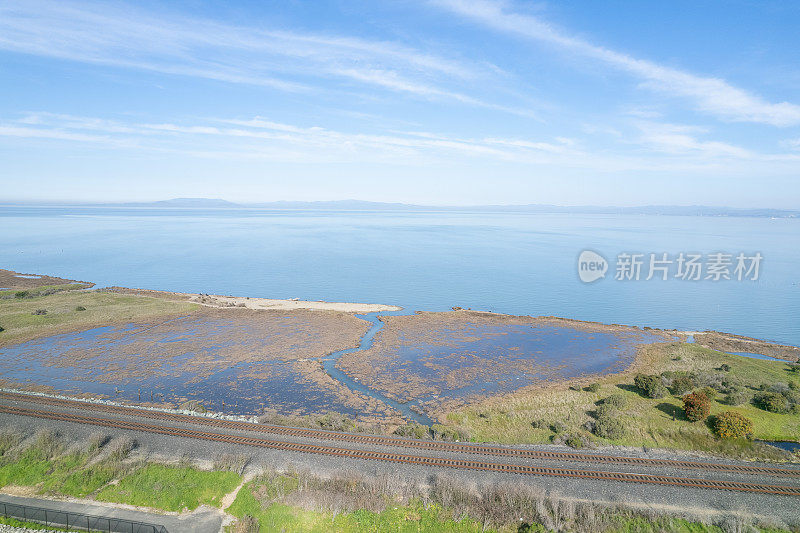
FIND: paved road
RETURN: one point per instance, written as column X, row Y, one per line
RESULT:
column 201, row 521
column 693, row 501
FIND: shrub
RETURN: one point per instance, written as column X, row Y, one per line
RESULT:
column 732, row 425
column 574, row 441
column 709, row 392
column 416, row 431
column 539, row 424
column 80, row 308
column 609, row 427
column 772, row 402
column 682, row 384
column 449, row 434
column 192, row 405
column 40, row 312
column 247, row 524
column 575, row 388
column 594, row 387
column 738, row 396
column 618, row 401
column 650, row 386
column 21, row 294
column 696, row 406
column 558, row 427
column 605, row 409
column 725, row 367
column 1, row 328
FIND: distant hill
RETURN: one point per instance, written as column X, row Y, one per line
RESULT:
column 185, row 202
column 362, row 205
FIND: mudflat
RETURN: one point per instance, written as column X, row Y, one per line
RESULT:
column 458, row 357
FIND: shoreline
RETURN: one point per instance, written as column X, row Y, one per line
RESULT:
column 247, row 302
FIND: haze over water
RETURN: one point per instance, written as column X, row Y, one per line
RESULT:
column 504, row 262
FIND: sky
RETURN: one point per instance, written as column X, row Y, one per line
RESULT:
column 434, row 102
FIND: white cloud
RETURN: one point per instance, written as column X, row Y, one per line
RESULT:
column 125, row 36
column 682, row 139
column 661, row 146
column 711, row 95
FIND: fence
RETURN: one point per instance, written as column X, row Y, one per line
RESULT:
column 76, row 521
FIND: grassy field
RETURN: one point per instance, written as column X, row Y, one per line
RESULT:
column 299, row 502
column 648, row 422
column 171, row 488
column 43, row 462
column 73, row 310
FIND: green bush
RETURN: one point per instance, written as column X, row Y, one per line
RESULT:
column 725, row 367
column 618, row 401
column 539, row 424
column 772, row 401
column 594, row 387
column 732, row 425
column 738, row 396
column 449, row 434
column 40, row 312
column 574, row 441
column 696, row 406
column 650, row 386
column 682, row 384
column 609, row 427
column 605, row 409
column 21, row 294
column 709, row 392
column 558, row 427
column 80, row 308
column 416, row 431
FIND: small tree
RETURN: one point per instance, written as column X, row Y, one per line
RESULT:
column 732, row 425
column 594, row 387
column 696, row 406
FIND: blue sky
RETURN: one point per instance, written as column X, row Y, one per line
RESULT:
column 422, row 101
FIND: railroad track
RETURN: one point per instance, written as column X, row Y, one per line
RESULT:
column 380, row 440
column 410, row 459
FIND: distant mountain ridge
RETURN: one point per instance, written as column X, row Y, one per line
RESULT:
column 363, row 205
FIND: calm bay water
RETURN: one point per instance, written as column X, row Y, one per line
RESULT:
column 510, row 263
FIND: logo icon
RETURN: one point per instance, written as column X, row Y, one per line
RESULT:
column 591, row 266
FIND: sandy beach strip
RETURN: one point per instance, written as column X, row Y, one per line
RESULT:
column 216, row 300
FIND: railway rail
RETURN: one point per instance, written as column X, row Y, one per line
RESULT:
column 381, row 440
column 738, row 486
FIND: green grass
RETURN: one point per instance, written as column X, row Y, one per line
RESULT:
column 43, row 290
column 30, row 525
column 30, row 468
column 171, row 488
column 102, row 308
column 648, row 422
column 81, row 483
column 276, row 515
column 399, row 519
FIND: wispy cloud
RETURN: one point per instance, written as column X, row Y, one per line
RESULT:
column 679, row 139
column 663, row 146
column 124, row 36
column 711, row 95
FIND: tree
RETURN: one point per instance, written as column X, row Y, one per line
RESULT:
column 732, row 425
column 696, row 406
